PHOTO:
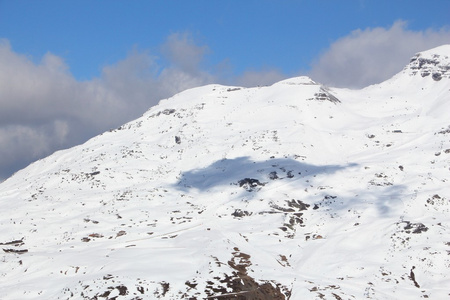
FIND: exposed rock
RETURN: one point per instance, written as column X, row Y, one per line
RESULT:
column 250, row 184
column 427, row 64
column 325, row 95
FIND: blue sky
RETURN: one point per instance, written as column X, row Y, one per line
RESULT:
column 286, row 35
column 70, row 70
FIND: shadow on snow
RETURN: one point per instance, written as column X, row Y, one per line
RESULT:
column 253, row 175
column 231, row 171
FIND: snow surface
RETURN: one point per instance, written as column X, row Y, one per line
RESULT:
column 292, row 191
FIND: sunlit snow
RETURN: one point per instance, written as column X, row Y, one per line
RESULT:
column 291, row 191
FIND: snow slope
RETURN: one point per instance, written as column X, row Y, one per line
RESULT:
column 292, row 191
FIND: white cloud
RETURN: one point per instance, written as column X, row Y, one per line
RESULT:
column 25, row 87
column 185, row 64
column 259, row 78
column 183, row 52
column 22, row 144
column 373, row 55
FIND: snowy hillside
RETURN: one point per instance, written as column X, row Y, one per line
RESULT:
column 292, row 191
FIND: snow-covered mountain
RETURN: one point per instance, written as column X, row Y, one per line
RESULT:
column 292, row 191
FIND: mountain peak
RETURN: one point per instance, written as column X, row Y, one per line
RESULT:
column 301, row 80
column 434, row 62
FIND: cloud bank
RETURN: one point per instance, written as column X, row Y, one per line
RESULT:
column 373, row 55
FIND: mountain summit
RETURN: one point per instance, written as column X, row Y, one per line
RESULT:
column 292, row 191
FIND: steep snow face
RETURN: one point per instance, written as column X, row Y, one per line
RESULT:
column 293, row 191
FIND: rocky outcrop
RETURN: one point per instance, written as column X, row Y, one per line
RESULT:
column 431, row 64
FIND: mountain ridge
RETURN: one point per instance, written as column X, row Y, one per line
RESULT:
column 276, row 192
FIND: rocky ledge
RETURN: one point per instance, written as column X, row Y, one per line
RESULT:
column 435, row 64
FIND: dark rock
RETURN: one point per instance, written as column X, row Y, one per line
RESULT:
column 233, row 89
column 168, row 111
column 250, row 184
column 273, row 175
column 436, row 76
column 415, row 227
column 412, row 276
column 15, row 243
column 325, row 95
column 15, row 251
column 240, row 213
column 297, row 204
column 123, row 290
